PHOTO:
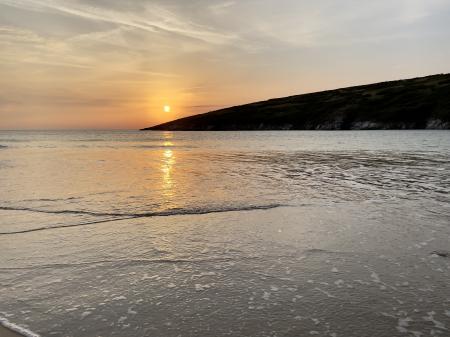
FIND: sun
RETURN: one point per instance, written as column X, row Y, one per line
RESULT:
column 166, row 108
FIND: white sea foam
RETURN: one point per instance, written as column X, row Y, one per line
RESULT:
column 85, row 314
column 437, row 324
column 339, row 283
column 204, row 274
column 266, row 296
column 11, row 326
column 119, row 298
column 325, row 292
column 201, row 287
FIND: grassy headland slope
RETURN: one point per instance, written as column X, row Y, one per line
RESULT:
column 419, row 103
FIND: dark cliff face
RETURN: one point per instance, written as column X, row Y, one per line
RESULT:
column 420, row 103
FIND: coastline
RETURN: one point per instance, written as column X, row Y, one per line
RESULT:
column 5, row 332
column 8, row 329
column 412, row 104
column 206, row 247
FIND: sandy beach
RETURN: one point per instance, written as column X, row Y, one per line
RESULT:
column 294, row 234
column 4, row 332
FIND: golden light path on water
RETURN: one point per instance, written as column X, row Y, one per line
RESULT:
column 168, row 162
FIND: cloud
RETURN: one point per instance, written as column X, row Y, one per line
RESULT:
column 21, row 47
column 222, row 7
column 12, row 34
column 153, row 19
column 206, row 107
column 80, row 56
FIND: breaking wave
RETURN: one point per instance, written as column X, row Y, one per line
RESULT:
column 13, row 327
column 128, row 216
column 164, row 146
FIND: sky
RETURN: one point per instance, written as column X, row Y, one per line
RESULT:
column 115, row 64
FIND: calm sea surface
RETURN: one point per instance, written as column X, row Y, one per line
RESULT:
column 130, row 233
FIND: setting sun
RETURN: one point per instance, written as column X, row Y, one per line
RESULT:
column 166, row 108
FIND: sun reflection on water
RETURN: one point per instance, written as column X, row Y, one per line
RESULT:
column 168, row 162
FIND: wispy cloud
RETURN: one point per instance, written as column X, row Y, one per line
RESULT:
column 154, row 18
column 67, row 58
column 20, row 46
column 221, row 7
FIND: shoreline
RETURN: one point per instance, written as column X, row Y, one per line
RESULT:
column 416, row 103
column 8, row 329
column 5, row 332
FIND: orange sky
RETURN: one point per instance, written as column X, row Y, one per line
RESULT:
column 115, row 64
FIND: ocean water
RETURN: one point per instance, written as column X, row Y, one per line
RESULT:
column 127, row 233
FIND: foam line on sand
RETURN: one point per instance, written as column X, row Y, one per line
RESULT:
column 8, row 329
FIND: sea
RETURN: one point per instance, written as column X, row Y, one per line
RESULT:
column 258, row 233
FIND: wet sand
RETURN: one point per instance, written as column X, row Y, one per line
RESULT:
column 4, row 332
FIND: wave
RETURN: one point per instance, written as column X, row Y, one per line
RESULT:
column 49, row 199
column 13, row 327
column 88, row 140
column 80, row 212
column 131, row 262
column 38, row 229
column 69, row 198
column 128, row 216
column 319, row 251
column 3, row 146
column 163, row 146
column 169, row 212
column 12, row 140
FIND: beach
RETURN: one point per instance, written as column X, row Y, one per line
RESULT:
column 8, row 333
column 226, row 234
